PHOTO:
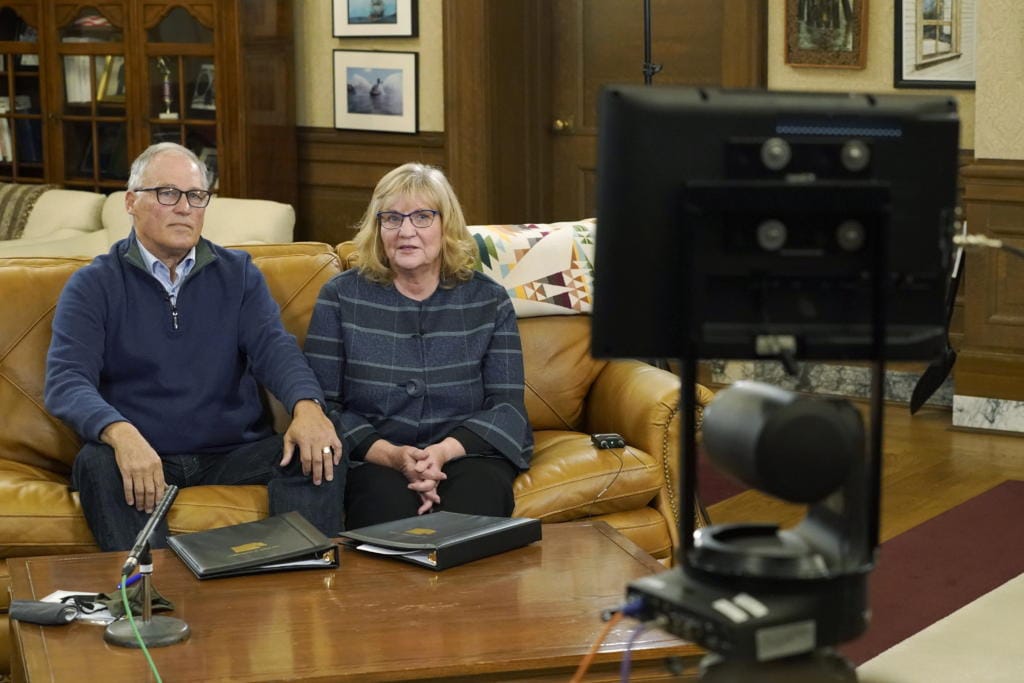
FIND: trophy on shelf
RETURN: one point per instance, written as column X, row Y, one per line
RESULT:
column 165, row 69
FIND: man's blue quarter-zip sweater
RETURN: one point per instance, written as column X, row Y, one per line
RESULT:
column 187, row 376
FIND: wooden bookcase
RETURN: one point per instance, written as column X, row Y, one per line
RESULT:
column 94, row 83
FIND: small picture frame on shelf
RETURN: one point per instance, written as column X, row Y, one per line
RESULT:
column 375, row 18
column 826, row 33
column 110, row 87
column 204, row 94
column 28, row 34
column 375, row 91
column 208, row 155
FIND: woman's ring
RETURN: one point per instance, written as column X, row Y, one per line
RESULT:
column 327, row 450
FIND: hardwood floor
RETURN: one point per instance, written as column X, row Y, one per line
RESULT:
column 928, row 467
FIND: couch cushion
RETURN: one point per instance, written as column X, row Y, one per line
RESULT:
column 41, row 515
column 569, row 478
column 548, row 269
column 228, row 220
column 30, row 289
column 63, row 242
column 60, row 209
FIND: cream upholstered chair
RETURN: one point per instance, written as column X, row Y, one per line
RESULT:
column 75, row 223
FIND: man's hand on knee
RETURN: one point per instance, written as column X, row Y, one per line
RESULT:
column 312, row 434
column 142, row 471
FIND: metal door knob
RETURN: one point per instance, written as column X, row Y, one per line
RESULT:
column 562, row 125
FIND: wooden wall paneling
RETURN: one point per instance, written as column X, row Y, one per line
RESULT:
column 270, row 157
column 497, row 108
column 991, row 360
column 744, row 44
column 338, row 171
column 520, row 161
column 467, row 106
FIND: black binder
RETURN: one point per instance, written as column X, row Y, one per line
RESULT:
column 441, row 540
column 286, row 541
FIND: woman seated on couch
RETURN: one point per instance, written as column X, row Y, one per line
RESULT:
column 420, row 361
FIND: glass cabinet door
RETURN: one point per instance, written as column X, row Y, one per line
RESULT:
column 21, row 119
column 94, row 94
column 182, row 85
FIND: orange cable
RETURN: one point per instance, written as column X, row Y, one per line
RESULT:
column 581, row 670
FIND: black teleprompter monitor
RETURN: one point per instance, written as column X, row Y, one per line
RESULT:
column 751, row 224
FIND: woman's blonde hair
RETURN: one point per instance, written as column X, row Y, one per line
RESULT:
column 458, row 249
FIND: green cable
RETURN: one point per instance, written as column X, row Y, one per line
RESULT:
column 135, row 629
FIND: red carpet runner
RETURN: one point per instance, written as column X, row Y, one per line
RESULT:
column 937, row 567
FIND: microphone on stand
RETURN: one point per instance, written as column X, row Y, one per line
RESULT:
column 152, row 631
column 142, row 540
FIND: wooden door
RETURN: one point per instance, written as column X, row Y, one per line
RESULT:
column 597, row 42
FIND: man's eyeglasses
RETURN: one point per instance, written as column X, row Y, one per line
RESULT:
column 169, row 196
column 420, row 218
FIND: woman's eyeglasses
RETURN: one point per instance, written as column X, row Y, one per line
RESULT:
column 420, row 218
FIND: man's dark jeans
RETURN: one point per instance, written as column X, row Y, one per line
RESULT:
column 115, row 524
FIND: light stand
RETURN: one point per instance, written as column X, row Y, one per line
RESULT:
column 155, row 631
column 650, row 68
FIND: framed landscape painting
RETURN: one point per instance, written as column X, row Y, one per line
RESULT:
column 826, row 33
column 376, row 18
column 375, row 91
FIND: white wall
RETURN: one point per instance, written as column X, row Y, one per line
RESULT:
column 1000, row 93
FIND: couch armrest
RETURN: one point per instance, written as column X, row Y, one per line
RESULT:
column 634, row 399
column 641, row 402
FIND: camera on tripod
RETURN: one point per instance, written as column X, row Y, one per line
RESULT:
column 786, row 226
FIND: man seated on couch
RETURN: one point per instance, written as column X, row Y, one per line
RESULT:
column 157, row 351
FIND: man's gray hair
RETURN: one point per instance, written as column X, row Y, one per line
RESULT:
column 141, row 163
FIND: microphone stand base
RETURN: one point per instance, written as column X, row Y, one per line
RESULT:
column 159, row 631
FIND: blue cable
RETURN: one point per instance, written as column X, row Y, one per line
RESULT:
column 627, row 656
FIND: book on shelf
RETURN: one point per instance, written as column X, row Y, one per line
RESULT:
column 28, row 134
column 282, row 542
column 440, row 540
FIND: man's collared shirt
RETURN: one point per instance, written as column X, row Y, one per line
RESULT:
column 162, row 273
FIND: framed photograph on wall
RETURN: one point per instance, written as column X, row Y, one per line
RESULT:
column 827, row 33
column 935, row 43
column 376, row 18
column 375, row 90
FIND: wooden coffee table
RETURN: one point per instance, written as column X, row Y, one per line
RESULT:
column 529, row 614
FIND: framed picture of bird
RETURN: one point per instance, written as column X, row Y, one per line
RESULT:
column 376, row 90
column 374, row 18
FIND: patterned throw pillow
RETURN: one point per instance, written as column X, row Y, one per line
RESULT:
column 548, row 269
column 16, row 203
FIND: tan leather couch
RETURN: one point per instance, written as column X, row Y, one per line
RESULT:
column 569, row 396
